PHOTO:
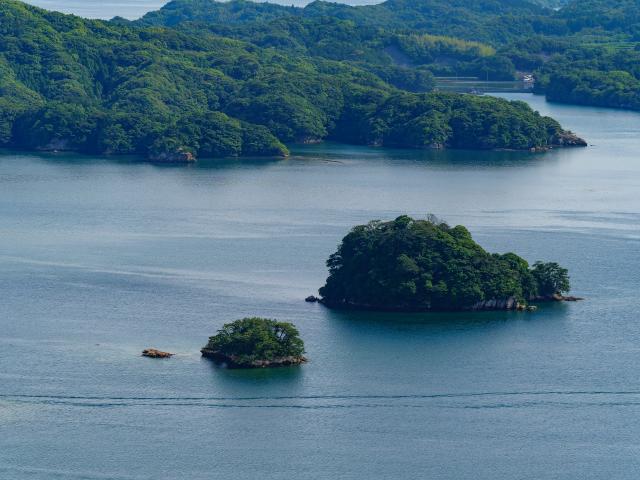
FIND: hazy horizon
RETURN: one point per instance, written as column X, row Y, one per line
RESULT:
column 133, row 9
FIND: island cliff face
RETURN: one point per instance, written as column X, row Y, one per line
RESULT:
column 425, row 265
column 176, row 156
column 567, row 139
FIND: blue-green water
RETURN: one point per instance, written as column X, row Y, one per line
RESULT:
column 102, row 258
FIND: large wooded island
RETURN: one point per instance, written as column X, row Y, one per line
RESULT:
column 426, row 265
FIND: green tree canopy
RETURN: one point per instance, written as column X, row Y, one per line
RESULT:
column 578, row 51
column 551, row 278
column 256, row 340
column 418, row 265
column 118, row 87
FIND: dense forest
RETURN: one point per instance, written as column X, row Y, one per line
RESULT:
column 68, row 83
column 419, row 265
column 586, row 51
column 204, row 78
column 256, row 343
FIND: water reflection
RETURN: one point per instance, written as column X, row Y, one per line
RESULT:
column 329, row 152
column 235, row 383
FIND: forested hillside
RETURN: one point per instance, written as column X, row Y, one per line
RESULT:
column 584, row 52
column 484, row 20
column 72, row 84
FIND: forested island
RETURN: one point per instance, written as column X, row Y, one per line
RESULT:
column 426, row 265
column 179, row 91
column 256, row 343
column 579, row 51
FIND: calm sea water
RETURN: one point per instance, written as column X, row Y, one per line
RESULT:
column 102, row 258
column 133, row 9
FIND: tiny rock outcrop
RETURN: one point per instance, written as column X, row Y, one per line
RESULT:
column 178, row 156
column 556, row 297
column 153, row 353
column 571, row 299
column 567, row 139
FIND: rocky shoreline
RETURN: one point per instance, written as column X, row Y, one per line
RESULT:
column 512, row 304
column 507, row 304
column 184, row 156
column 177, row 156
column 232, row 361
column 567, row 139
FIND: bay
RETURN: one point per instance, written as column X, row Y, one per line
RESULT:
column 100, row 258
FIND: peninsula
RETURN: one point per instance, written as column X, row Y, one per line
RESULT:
column 176, row 94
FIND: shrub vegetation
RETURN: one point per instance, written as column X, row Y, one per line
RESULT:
column 256, row 342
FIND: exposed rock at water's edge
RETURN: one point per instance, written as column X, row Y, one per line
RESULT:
column 567, row 138
column 56, row 145
column 153, row 353
column 232, row 361
column 510, row 303
column 497, row 304
column 557, row 298
column 178, row 156
column 560, row 140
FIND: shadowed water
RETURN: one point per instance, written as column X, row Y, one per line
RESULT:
column 100, row 258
